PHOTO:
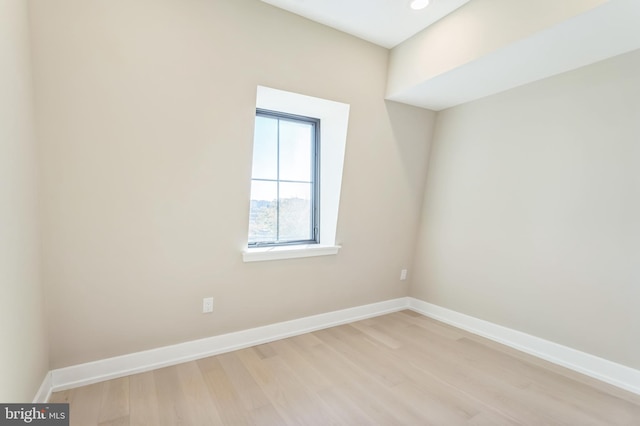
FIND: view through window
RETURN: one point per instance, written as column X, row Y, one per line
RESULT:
column 284, row 180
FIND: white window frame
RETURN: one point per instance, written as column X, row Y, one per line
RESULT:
column 334, row 118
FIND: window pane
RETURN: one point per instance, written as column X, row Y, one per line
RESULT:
column 295, row 211
column 296, row 142
column 262, row 216
column 265, row 148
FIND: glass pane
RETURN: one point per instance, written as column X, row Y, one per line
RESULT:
column 265, row 148
column 295, row 211
column 296, row 143
column 262, row 213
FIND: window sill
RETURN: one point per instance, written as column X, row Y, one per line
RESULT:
column 287, row 252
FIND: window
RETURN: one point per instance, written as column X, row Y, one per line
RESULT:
column 332, row 134
column 284, row 180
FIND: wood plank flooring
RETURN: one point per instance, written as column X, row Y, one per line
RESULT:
column 397, row 369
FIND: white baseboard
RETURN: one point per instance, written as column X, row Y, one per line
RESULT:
column 45, row 390
column 84, row 374
column 606, row 371
column 120, row 366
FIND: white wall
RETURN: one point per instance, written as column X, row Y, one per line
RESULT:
column 146, row 113
column 23, row 351
column 472, row 32
column 531, row 210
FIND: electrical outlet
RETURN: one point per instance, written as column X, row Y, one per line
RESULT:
column 403, row 275
column 207, row 305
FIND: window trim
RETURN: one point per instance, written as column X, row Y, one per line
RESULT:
column 259, row 254
column 335, row 120
column 316, row 180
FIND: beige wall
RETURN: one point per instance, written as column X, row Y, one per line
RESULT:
column 23, row 351
column 146, row 114
column 531, row 210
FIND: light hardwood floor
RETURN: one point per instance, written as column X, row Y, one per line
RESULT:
column 401, row 368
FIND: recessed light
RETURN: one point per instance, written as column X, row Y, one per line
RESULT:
column 419, row 4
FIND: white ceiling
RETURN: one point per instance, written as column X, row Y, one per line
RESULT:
column 383, row 22
column 605, row 31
